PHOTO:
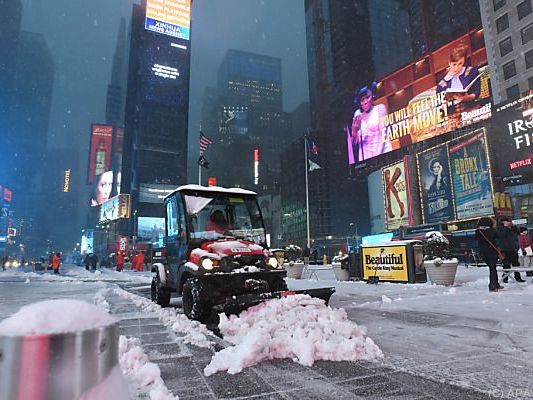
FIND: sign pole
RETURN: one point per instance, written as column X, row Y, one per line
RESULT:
column 307, row 193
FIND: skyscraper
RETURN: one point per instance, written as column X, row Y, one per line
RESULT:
column 156, row 119
column 116, row 90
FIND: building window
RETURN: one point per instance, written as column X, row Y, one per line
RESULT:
column 524, row 9
column 529, row 59
column 506, row 46
column 527, row 34
column 530, row 83
column 502, row 23
column 509, row 70
column 498, row 4
column 513, row 92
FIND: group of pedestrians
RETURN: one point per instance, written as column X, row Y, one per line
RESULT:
column 506, row 243
column 137, row 261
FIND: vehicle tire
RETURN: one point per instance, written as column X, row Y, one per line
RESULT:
column 160, row 295
column 278, row 284
column 196, row 304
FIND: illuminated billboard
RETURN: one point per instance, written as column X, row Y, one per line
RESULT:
column 169, row 17
column 115, row 208
column 511, row 138
column 233, row 121
column 150, row 229
column 102, row 186
column 446, row 90
column 100, row 150
column 396, row 193
column 165, row 71
column 155, row 192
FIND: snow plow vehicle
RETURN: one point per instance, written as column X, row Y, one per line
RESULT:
column 215, row 254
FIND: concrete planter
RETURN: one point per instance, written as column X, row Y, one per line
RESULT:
column 441, row 274
column 340, row 274
column 294, row 270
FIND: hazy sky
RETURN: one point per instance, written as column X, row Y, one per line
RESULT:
column 82, row 34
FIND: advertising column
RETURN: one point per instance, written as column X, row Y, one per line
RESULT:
column 472, row 184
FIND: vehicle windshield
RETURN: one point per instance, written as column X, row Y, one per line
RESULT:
column 221, row 215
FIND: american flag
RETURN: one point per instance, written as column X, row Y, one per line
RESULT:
column 204, row 142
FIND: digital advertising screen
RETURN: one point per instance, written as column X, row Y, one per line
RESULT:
column 165, row 71
column 396, row 194
column 446, row 90
column 472, row 185
column 100, row 150
column 150, row 229
column 169, row 17
column 118, row 150
column 511, row 138
column 435, row 185
column 102, row 188
column 233, row 121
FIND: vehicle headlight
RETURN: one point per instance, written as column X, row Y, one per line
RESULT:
column 9, row 264
column 15, row 264
column 273, row 262
column 207, row 263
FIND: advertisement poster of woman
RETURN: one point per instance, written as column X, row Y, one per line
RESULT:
column 366, row 136
column 435, row 185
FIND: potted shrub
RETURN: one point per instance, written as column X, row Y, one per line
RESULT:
column 293, row 264
column 340, row 265
column 439, row 265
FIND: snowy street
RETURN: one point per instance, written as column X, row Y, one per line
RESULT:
column 438, row 342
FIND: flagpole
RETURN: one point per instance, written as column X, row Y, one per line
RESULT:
column 199, row 174
column 307, row 192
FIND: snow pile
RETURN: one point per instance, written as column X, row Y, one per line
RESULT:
column 143, row 375
column 114, row 387
column 55, row 316
column 100, row 300
column 194, row 332
column 297, row 327
column 246, row 269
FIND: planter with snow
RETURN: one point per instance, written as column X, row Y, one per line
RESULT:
column 60, row 349
column 441, row 272
column 294, row 270
column 341, row 274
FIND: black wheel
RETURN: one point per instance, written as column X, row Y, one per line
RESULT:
column 278, row 284
column 196, row 304
column 160, row 295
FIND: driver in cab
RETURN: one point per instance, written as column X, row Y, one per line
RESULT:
column 218, row 222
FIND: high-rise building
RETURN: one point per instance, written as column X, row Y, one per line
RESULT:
column 156, row 119
column 116, row 93
column 508, row 29
column 244, row 115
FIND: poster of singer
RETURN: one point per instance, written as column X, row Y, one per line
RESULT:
column 472, row 184
column 435, row 185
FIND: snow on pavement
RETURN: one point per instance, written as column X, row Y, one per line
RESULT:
column 194, row 332
column 297, row 327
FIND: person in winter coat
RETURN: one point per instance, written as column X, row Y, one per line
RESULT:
column 87, row 261
column 525, row 241
column 120, row 261
column 134, row 262
column 94, row 262
column 4, row 262
column 140, row 261
column 56, row 262
column 488, row 250
column 508, row 239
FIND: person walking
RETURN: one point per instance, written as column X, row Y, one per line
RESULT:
column 489, row 252
column 56, row 262
column 4, row 262
column 94, row 262
column 134, row 262
column 508, row 239
column 525, row 254
column 120, row 261
column 140, row 261
column 87, row 261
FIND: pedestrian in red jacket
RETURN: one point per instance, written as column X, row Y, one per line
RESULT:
column 56, row 262
column 120, row 261
column 140, row 261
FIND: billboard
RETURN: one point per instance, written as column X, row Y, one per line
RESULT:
column 436, row 190
column 165, row 71
column 154, row 193
column 169, row 17
column 446, row 90
column 102, row 186
column 115, row 208
column 511, row 137
column 396, row 193
column 389, row 263
column 118, row 150
column 100, row 150
column 233, row 121
column 472, row 185
column 150, row 229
